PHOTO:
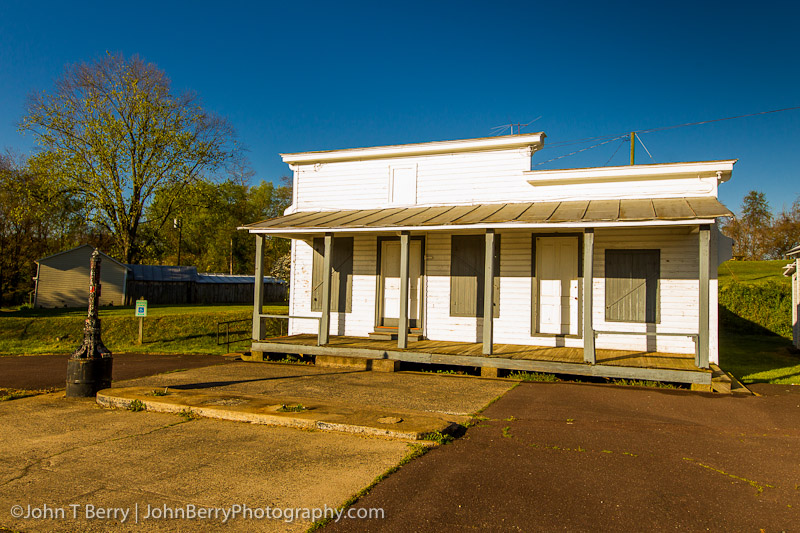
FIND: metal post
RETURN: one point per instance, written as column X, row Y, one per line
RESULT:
column 258, row 290
column 704, row 259
column 589, row 352
column 325, row 322
column 402, row 323
column 89, row 368
column 488, row 294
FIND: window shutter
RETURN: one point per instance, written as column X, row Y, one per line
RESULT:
column 316, row 275
column 632, row 285
column 341, row 276
column 342, row 282
column 467, row 256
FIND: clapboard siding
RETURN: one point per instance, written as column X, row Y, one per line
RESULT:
column 441, row 179
column 361, row 320
column 678, row 292
column 658, row 188
column 466, row 178
column 678, row 289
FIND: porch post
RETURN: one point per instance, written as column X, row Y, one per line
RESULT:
column 589, row 355
column 402, row 323
column 258, row 290
column 488, row 295
column 702, row 338
column 325, row 321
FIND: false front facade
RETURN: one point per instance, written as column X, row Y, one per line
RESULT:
column 457, row 252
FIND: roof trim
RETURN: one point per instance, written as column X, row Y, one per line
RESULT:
column 584, row 213
column 278, row 232
column 504, row 142
column 722, row 169
column 105, row 255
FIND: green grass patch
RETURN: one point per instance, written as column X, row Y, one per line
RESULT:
column 643, row 383
column 533, row 376
column 753, row 272
column 167, row 329
column 438, row 437
column 298, row 408
column 759, row 358
column 13, row 394
column 188, row 415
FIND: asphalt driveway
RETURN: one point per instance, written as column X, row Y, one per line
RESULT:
column 50, row 371
column 580, row 457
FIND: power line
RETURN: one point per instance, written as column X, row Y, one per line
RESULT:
column 581, row 150
column 609, row 138
column 615, row 151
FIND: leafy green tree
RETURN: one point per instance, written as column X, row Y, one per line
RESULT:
column 785, row 231
column 36, row 220
column 751, row 231
column 209, row 216
column 116, row 135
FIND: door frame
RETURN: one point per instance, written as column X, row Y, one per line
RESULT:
column 420, row 322
column 535, row 286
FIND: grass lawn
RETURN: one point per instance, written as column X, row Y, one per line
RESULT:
column 759, row 358
column 167, row 329
column 753, row 272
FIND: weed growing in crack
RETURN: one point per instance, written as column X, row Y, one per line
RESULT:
column 137, row 405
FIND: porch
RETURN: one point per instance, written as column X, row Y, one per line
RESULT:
column 620, row 364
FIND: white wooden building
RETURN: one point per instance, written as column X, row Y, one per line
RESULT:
column 480, row 261
column 791, row 270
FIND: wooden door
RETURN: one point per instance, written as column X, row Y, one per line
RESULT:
column 389, row 297
column 557, row 274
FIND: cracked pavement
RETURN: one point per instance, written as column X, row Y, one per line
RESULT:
column 581, row 457
column 56, row 452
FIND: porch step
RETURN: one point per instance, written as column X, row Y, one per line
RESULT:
column 392, row 336
column 725, row 383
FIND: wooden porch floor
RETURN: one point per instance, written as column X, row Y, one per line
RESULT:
column 610, row 363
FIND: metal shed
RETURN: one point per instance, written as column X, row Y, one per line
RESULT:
column 62, row 279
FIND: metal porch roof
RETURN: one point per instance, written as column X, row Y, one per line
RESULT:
column 527, row 213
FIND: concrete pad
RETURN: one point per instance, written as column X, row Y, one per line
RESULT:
column 60, row 452
column 260, row 409
column 397, row 391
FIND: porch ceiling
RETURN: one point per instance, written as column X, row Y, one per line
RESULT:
column 501, row 215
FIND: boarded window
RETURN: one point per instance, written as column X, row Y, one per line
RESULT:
column 632, row 285
column 467, row 256
column 403, row 185
column 341, row 278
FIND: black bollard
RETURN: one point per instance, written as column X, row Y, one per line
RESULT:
column 89, row 368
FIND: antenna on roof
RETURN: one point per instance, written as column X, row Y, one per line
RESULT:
column 499, row 130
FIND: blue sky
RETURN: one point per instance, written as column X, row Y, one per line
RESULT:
column 304, row 76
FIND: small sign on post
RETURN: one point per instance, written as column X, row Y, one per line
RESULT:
column 141, row 312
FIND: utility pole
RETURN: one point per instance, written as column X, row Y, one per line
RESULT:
column 178, row 224
column 633, row 146
column 231, row 260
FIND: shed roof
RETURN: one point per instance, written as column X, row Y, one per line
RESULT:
column 89, row 246
column 209, row 277
column 582, row 212
column 163, row 273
